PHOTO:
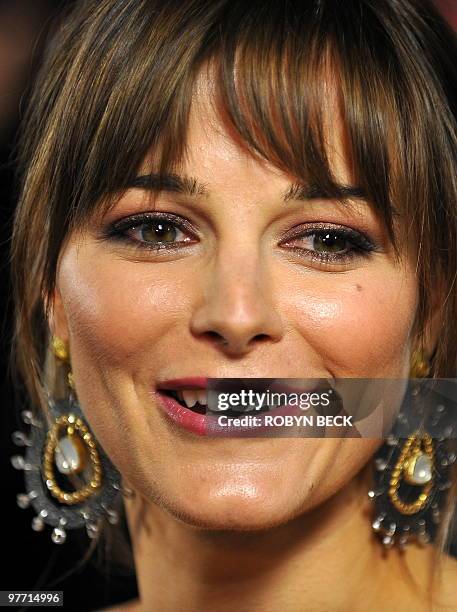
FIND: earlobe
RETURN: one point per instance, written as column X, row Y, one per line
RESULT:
column 434, row 325
column 57, row 318
column 433, row 331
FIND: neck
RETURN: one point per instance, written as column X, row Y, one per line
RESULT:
column 326, row 559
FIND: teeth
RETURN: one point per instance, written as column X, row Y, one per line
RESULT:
column 202, row 399
column 191, row 396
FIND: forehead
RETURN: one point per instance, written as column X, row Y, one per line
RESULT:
column 235, row 131
column 215, row 149
column 220, row 166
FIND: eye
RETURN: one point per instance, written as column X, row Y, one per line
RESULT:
column 325, row 243
column 157, row 232
column 328, row 242
column 152, row 231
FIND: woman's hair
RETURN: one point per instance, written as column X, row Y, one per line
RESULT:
column 117, row 83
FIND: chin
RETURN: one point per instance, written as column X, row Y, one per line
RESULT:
column 232, row 507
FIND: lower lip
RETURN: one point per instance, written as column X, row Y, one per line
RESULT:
column 184, row 417
column 202, row 424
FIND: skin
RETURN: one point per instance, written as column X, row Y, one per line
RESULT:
column 262, row 517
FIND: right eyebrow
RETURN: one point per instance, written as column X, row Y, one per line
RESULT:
column 186, row 185
column 191, row 186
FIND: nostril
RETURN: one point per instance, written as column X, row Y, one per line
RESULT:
column 262, row 337
column 212, row 335
column 215, row 335
column 224, row 342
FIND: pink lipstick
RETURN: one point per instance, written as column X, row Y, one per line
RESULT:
column 196, row 418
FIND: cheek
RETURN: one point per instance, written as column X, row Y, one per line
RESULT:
column 117, row 311
column 359, row 323
column 356, row 323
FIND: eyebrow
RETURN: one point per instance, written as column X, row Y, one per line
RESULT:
column 187, row 185
column 190, row 186
column 298, row 191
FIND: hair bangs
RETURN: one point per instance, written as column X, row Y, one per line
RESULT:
column 276, row 69
column 284, row 87
column 129, row 70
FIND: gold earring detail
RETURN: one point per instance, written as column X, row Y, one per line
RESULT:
column 70, row 447
column 420, row 366
column 70, row 481
column 415, row 466
column 71, row 380
column 60, row 349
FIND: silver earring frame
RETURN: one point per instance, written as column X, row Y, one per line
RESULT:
column 430, row 413
column 88, row 514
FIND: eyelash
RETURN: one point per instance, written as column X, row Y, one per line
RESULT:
column 361, row 245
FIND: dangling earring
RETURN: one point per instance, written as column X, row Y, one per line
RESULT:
column 420, row 366
column 70, row 481
column 411, row 470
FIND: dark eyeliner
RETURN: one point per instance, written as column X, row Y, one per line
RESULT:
column 361, row 246
column 118, row 230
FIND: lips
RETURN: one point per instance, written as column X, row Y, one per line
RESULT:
column 178, row 399
column 182, row 416
column 208, row 424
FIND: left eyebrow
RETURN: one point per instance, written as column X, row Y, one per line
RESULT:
column 298, row 191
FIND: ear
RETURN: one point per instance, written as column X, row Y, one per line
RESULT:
column 57, row 317
column 433, row 332
column 434, row 325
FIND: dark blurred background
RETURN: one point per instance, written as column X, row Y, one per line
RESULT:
column 30, row 559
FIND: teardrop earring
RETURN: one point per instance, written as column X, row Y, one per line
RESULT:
column 411, row 470
column 70, row 481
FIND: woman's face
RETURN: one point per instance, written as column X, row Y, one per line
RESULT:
column 246, row 293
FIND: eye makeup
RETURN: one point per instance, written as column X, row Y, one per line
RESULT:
column 325, row 242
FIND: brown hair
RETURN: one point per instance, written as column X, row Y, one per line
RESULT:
column 118, row 83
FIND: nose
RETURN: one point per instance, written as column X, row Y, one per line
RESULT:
column 237, row 311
